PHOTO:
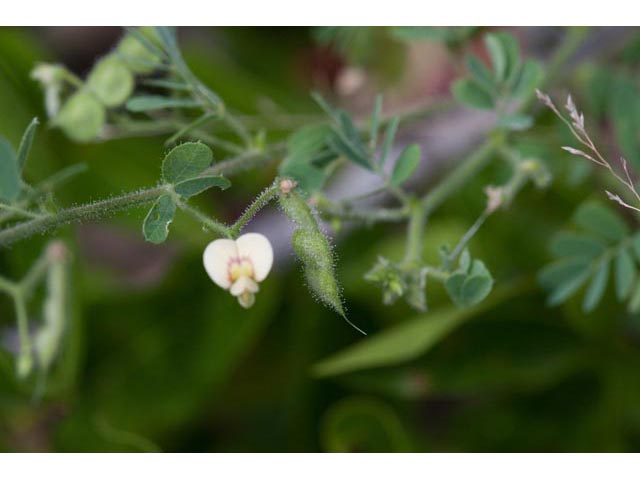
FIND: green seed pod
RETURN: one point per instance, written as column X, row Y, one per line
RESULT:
column 82, row 117
column 314, row 251
column 111, row 81
column 297, row 210
column 136, row 55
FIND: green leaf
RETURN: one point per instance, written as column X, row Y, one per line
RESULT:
column 498, row 54
column 625, row 272
column 530, row 78
column 407, row 163
column 25, row 144
column 194, row 186
column 567, row 288
column 634, row 302
column 515, row 121
column 596, row 287
column 450, row 35
column 186, row 161
column 82, row 117
column 146, row 103
column 567, row 244
column 156, row 224
column 624, row 112
column 598, row 219
column 561, row 272
column 468, row 290
column 407, row 340
column 480, row 73
column 345, row 148
column 111, row 81
column 310, row 138
column 471, row 93
column 389, row 137
column 375, row 122
column 10, row 184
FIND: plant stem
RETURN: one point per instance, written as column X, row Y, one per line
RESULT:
column 91, row 211
column 207, row 221
column 460, row 175
column 415, row 234
column 25, row 357
column 260, row 202
column 19, row 211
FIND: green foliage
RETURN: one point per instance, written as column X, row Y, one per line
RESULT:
column 510, row 81
column 156, row 224
column 470, row 283
column 309, row 158
column 25, row 143
column 406, row 341
column 602, row 243
column 452, row 36
column 185, row 162
column 406, row 164
column 194, row 186
column 145, row 103
column 9, row 173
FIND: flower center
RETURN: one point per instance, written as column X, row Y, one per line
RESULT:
column 240, row 267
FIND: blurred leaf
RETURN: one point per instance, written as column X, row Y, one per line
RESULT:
column 498, row 54
column 389, row 138
column 363, row 425
column 25, row 143
column 111, row 81
column 470, row 93
column 601, row 220
column 451, row 35
column 596, row 287
column 516, row 121
column 405, row 166
column 194, row 186
column 82, row 117
column 625, row 115
column 480, row 73
column 530, row 77
column 10, row 184
column 468, row 289
column 625, row 272
column 186, row 161
column 408, row 340
column 156, row 224
column 568, row 244
column 140, row 55
column 145, row 103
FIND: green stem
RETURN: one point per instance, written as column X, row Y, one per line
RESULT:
column 89, row 211
column 19, row 211
column 37, row 271
column 460, row 175
column 415, row 234
column 25, row 357
column 468, row 235
column 260, row 202
column 207, row 221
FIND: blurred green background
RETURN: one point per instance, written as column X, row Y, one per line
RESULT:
column 159, row 358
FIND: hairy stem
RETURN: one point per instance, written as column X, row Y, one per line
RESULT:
column 260, row 202
column 91, row 211
column 207, row 221
column 415, row 234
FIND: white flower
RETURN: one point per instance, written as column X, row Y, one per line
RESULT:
column 239, row 265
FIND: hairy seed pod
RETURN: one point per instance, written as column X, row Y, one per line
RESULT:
column 313, row 250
